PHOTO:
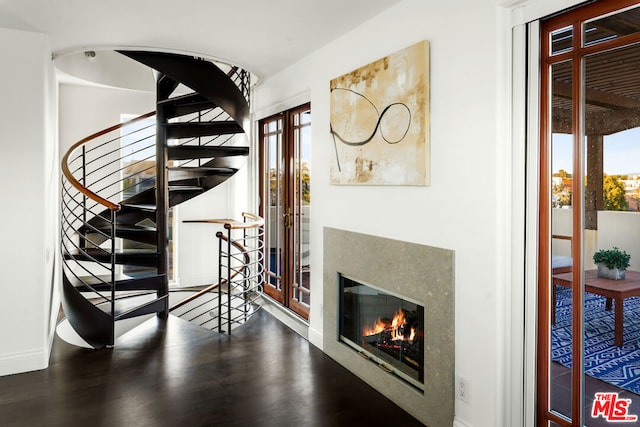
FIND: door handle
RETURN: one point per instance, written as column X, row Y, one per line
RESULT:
column 287, row 218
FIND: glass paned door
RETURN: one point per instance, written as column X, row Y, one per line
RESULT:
column 285, row 154
column 589, row 172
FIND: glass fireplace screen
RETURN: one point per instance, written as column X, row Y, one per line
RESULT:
column 384, row 328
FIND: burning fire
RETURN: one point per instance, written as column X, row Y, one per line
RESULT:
column 396, row 328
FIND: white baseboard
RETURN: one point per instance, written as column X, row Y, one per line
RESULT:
column 458, row 423
column 315, row 338
column 27, row 361
column 286, row 316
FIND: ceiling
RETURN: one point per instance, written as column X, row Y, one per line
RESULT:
column 611, row 76
column 261, row 36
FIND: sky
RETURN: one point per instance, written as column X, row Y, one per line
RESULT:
column 621, row 152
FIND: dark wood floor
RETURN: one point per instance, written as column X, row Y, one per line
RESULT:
column 172, row 373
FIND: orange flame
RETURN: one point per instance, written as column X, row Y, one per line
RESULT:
column 396, row 323
column 378, row 327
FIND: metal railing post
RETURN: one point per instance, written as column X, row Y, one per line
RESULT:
column 83, row 242
column 162, row 200
column 219, row 236
column 113, row 275
column 247, row 260
column 246, row 271
column 229, row 281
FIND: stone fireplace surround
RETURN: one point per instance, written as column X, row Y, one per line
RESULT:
column 421, row 273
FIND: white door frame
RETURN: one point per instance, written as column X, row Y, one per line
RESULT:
column 518, row 158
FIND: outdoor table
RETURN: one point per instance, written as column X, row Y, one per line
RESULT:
column 613, row 290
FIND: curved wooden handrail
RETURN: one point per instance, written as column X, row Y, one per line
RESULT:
column 197, row 295
column 255, row 221
column 232, row 224
column 81, row 188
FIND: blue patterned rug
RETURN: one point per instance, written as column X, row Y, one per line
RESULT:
column 619, row 366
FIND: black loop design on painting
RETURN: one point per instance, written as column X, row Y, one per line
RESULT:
column 375, row 129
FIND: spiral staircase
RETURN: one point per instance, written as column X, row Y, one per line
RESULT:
column 119, row 185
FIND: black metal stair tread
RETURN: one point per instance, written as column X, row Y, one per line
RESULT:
column 123, row 282
column 187, row 152
column 203, row 170
column 184, row 104
column 127, row 214
column 124, row 305
column 200, row 168
column 188, row 98
column 141, row 257
column 128, row 251
column 130, row 228
column 185, row 188
column 194, row 129
column 146, row 197
column 99, row 279
column 138, row 233
column 139, row 207
column 123, row 252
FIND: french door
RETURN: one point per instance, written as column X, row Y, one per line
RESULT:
column 589, row 138
column 285, row 160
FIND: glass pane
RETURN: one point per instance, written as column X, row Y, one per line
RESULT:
column 560, row 379
column 612, row 26
column 302, row 148
column 612, row 165
column 138, row 166
column 561, row 40
column 274, row 210
column 305, row 118
column 388, row 329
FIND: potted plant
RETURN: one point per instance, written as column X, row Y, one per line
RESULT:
column 612, row 263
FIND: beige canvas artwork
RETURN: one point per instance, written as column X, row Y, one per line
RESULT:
column 380, row 121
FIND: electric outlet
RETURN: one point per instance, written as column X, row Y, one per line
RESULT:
column 462, row 389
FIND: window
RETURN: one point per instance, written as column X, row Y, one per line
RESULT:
column 138, row 168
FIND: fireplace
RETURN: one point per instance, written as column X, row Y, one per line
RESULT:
column 382, row 277
column 385, row 329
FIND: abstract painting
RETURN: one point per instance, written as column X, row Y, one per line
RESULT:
column 380, row 121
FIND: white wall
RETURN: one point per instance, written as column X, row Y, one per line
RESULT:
column 458, row 210
column 86, row 109
column 51, row 212
column 28, row 188
column 197, row 245
column 619, row 229
column 615, row 228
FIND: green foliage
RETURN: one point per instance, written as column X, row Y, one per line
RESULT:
column 614, row 194
column 612, row 258
column 561, row 196
column 563, row 174
column 303, row 185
